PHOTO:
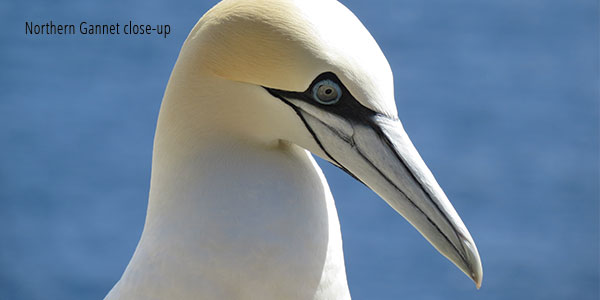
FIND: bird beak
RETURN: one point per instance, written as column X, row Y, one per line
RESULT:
column 377, row 151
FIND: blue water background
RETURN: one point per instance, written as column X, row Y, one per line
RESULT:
column 500, row 97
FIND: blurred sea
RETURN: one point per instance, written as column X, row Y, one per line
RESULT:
column 501, row 97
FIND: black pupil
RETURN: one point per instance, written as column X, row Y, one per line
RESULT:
column 326, row 92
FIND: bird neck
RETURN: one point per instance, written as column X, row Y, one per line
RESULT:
column 231, row 217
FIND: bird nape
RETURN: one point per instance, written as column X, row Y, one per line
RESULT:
column 238, row 208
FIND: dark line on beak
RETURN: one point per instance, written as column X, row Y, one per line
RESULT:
column 388, row 142
column 404, row 194
column 413, row 203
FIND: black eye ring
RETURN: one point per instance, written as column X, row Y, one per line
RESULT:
column 327, row 92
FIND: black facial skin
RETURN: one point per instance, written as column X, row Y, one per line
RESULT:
column 347, row 107
column 350, row 109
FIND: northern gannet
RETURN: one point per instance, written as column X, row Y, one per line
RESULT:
column 238, row 207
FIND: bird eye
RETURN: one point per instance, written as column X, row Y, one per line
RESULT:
column 327, row 92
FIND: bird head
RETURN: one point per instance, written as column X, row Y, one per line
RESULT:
column 309, row 73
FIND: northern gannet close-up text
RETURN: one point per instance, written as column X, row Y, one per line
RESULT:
column 238, row 207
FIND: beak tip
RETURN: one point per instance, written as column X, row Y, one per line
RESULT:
column 477, row 274
column 473, row 267
column 477, row 279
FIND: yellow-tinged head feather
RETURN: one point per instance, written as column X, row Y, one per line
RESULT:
column 285, row 44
